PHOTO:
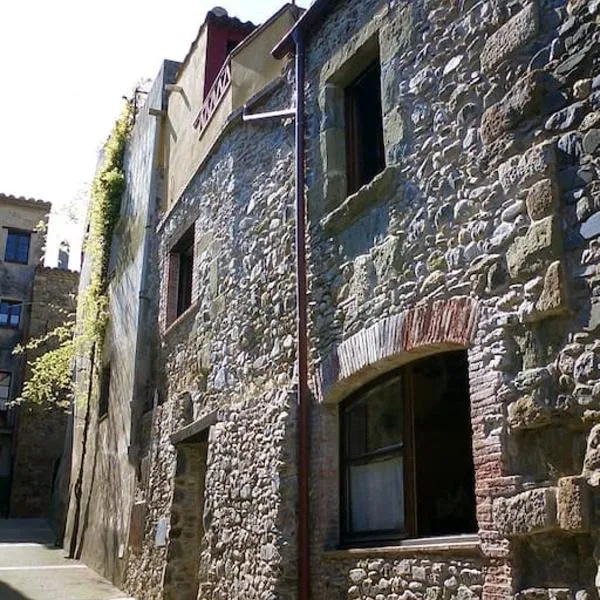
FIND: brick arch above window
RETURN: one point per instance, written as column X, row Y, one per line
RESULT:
column 395, row 340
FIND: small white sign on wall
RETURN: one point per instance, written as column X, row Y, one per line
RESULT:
column 162, row 529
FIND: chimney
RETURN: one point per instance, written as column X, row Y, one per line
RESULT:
column 63, row 255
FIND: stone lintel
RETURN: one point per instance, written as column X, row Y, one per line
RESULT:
column 194, row 432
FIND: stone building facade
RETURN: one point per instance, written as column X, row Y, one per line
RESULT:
column 109, row 410
column 477, row 234
column 42, row 456
column 21, row 250
column 452, row 195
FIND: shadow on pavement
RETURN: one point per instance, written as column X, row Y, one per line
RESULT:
column 24, row 531
column 9, row 593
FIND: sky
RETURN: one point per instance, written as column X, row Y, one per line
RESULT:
column 65, row 66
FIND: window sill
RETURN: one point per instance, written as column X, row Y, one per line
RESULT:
column 182, row 318
column 16, row 262
column 358, row 203
column 455, row 544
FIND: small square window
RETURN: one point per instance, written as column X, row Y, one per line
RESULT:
column 10, row 313
column 104, row 395
column 394, row 484
column 5, row 381
column 17, row 247
column 365, row 154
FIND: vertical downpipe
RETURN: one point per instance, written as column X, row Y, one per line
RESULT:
column 303, row 393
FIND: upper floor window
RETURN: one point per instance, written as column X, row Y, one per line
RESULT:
column 406, row 455
column 104, row 393
column 17, row 246
column 180, row 276
column 365, row 154
column 10, row 313
column 5, row 380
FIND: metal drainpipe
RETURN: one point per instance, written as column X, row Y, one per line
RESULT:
column 301, row 300
column 303, row 398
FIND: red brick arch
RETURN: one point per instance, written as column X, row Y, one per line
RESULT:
column 395, row 340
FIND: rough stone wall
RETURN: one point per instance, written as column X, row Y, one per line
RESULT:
column 40, row 435
column 231, row 355
column 111, row 462
column 16, row 281
column 490, row 114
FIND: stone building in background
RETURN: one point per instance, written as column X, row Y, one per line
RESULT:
column 42, row 432
column 33, row 300
column 452, row 187
column 22, row 243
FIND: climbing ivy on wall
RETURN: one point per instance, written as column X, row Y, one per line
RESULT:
column 107, row 189
column 50, row 379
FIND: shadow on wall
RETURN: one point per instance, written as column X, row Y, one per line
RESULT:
column 9, row 593
column 287, row 520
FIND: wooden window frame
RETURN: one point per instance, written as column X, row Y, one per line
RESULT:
column 406, row 383
column 355, row 177
column 180, row 291
column 11, row 304
column 14, row 258
column 406, row 451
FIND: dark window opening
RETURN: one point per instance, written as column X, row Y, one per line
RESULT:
column 365, row 153
column 17, row 247
column 5, row 381
column 104, row 395
column 231, row 44
column 184, row 252
column 10, row 313
column 406, row 454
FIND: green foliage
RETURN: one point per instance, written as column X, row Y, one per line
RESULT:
column 107, row 188
column 50, row 379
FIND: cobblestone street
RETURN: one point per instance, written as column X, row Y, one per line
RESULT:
column 32, row 568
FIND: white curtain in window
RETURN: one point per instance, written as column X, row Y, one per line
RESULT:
column 377, row 496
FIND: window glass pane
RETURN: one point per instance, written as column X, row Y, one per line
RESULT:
column 11, row 246
column 376, row 496
column 17, row 247
column 15, row 314
column 10, row 313
column 23, row 249
column 4, row 385
column 356, row 430
column 384, row 417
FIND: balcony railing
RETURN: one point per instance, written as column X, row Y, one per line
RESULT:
column 217, row 91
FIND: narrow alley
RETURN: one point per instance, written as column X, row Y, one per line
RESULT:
column 32, row 568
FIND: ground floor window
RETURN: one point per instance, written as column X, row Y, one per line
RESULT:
column 5, row 381
column 406, row 454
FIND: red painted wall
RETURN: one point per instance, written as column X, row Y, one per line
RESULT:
column 216, row 48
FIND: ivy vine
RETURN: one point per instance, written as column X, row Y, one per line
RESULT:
column 50, row 380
